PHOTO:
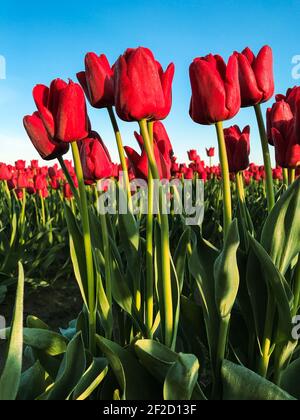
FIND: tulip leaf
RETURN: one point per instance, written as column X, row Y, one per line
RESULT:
column 290, row 379
column 71, row 370
column 181, row 255
column 11, row 375
column 159, row 359
column 181, row 378
column 91, row 379
column 226, row 273
column 77, row 253
column 32, row 383
column 51, row 343
column 201, row 264
column 133, row 379
column 278, row 287
column 242, row 384
column 281, row 233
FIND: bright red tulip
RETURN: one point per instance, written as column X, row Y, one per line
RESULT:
column 62, row 109
column 192, row 155
column 20, row 165
column 142, row 88
column 215, row 89
column 238, row 148
column 97, row 81
column 5, row 173
column 95, row 159
column 47, row 147
column 256, row 76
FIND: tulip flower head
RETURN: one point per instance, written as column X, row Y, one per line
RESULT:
column 142, row 89
column 238, row 148
column 256, row 76
column 284, row 128
column 215, row 89
column 97, row 81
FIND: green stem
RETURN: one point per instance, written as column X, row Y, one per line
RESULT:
column 221, row 353
column 292, row 175
column 285, row 174
column 227, row 206
column 8, row 196
column 43, row 209
column 267, row 340
column 149, row 248
column 267, row 159
column 165, row 245
column 107, row 258
column 87, row 247
column 121, row 154
column 69, row 179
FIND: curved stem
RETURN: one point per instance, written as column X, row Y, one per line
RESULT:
column 87, row 247
column 267, row 159
column 227, row 206
column 121, row 154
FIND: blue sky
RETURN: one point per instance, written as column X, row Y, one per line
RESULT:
column 43, row 41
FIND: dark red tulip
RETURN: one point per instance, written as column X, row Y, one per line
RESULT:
column 142, row 88
column 238, row 148
column 210, row 152
column 95, row 158
column 215, row 89
column 283, row 129
column 97, row 81
column 46, row 146
column 62, row 109
column 256, row 76
column 192, row 155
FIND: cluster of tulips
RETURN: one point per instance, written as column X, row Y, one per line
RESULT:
column 170, row 311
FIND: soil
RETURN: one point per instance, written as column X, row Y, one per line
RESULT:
column 55, row 305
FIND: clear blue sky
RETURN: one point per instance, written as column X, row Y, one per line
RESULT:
column 42, row 41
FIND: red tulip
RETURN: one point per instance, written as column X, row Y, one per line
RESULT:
column 95, row 158
column 97, row 81
column 238, row 148
column 142, row 88
column 40, row 182
column 62, row 109
column 22, row 181
column 20, row 165
column 215, row 89
column 139, row 163
column 210, row 152
column 283, row 131
column 5, row 173
column 162, row 140
column 192, row 155
column 47, row 147
column 256, row 76
column 67, row 192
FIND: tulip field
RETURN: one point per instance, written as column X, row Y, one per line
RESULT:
column 187, row 274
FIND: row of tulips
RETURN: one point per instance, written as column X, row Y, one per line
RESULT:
column 169, row 310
